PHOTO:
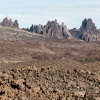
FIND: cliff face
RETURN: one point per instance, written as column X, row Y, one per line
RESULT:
column 9, row 23
column 87, row 31
column 52, row 29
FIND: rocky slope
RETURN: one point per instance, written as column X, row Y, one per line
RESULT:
column 15, row 34
column 34, row 67
column 32, row 83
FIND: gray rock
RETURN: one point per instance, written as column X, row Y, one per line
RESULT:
column 9, row 23
column 52, row 29
column 87, row 31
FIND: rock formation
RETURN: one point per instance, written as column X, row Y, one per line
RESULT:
column 88, row 26
column 87, row 31
column 16, row 24
column 37, row 29
column 9, row 23
column 52, row 29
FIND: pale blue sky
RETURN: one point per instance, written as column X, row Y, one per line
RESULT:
column 71, row 12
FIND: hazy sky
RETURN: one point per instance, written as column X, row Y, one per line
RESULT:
column 71, row 12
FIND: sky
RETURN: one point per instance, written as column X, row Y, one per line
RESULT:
column 71, row 12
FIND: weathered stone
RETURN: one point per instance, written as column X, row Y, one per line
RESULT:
column 18, row 84
column 43, row 88
column 31, row 87
column 36, row 89
column 5, row 76
column 32, row 28
column 59, row 91
column 16, row 25
column 79, row 93
column 50, row 89
column 9, row 23
column 52, row 29
column 0, row 73
column 87, row 31
column 97, row 98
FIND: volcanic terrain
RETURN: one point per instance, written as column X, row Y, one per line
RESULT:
column 35, row 67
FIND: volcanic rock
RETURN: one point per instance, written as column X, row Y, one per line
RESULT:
column 52, row 29
column 16, row 25
column 49, row 83
column 87, row 31
column 88, row 26
column 80, row 93
column 9, row 23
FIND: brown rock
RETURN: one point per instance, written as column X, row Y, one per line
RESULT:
column 0, row 73
column 79, row 94
column 97, row 98
column 59, row 91
column 36, row 89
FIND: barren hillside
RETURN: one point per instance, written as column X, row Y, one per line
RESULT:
column 33, row 67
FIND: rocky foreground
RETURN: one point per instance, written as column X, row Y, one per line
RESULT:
column 32, row 83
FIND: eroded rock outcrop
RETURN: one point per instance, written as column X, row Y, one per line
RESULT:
column 16, row 24
column 88, row 26
column 34, row 83
column 9, row 23
column 52, row 29
column 87, row 31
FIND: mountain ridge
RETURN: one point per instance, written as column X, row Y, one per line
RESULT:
column 86, row 32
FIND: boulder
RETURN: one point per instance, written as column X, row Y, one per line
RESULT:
column 79, row 93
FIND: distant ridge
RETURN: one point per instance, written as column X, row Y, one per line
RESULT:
column 87, row 31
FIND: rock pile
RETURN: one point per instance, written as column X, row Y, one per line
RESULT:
column 33, row 83
column 9, row 23
column 52, row 29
